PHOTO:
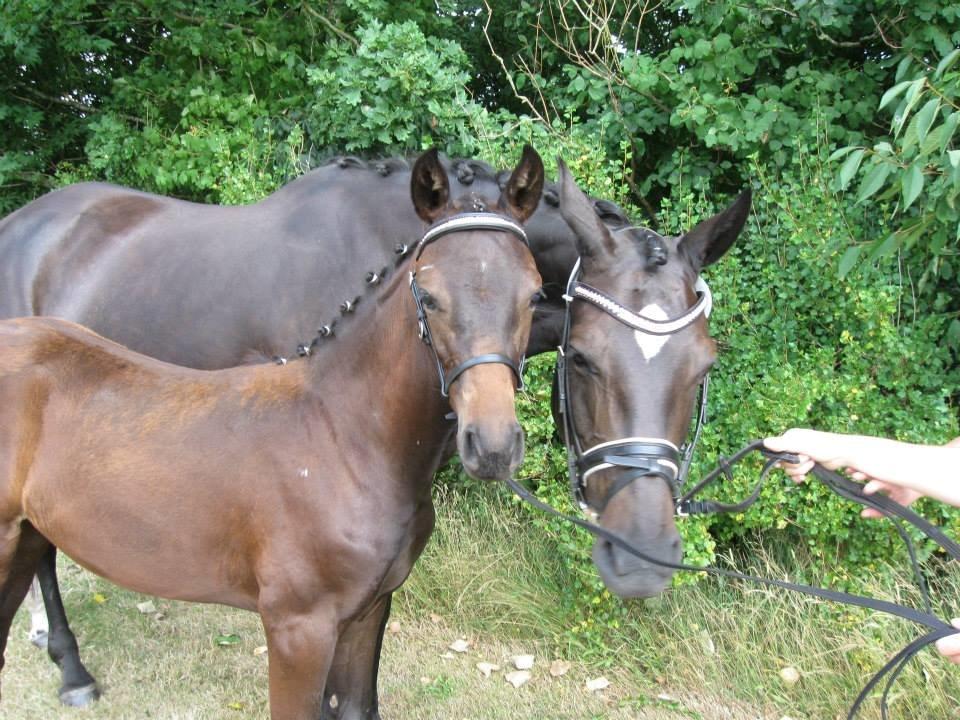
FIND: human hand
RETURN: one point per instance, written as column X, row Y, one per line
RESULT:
column 897, row 493
column 828, row 449
column 809, row 446
column 949, row 646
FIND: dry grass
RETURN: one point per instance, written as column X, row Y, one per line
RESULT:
column 714, row 651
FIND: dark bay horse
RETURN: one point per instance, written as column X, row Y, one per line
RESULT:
column 300, row 491
column 161, row 276
column 634, row 352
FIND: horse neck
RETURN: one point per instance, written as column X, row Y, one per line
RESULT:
column 388, row 376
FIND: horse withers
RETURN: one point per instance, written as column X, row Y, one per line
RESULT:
column 299, row 491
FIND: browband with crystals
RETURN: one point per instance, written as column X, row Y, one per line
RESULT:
column 637, row 321
column 469, row 221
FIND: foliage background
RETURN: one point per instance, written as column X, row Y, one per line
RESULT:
column 838, row 308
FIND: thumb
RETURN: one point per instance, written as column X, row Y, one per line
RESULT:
column 775, row 443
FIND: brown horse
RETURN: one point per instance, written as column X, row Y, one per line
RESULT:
column 635, row 349
column 302, row 491
column 81, row 253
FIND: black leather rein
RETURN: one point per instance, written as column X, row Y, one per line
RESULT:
column 846, row 488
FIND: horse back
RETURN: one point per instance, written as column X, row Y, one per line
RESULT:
column 50, row 245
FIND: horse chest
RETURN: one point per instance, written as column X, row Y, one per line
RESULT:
column 410, row 545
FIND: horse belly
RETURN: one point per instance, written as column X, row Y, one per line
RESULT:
column 142, row 543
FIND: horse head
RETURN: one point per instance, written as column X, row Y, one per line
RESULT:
column 635, row 351
column 475, row 295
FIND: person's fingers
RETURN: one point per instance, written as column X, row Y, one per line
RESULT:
column 870, row 514
column 798, row 471
column 874, row 486
column 949, row 646
column 858, row 476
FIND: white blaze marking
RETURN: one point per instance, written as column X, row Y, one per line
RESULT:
column 651, row 345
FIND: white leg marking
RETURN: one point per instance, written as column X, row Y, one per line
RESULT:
column 38, row 616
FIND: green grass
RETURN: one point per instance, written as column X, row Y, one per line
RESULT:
column 711, row 650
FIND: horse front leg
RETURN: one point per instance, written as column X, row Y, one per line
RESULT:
column 78, row 688
column 351, row 692
column 300, row 647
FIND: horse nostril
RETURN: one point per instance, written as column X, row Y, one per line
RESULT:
column 471, row 443
column 517, row 445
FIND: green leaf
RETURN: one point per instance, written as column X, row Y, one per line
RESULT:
column 873, row 181
column 227, row 639
column 850, row 167
column 886, row 247
column 912, row 98
column 893, row 93
column 953, row 333
column 849, row 259
column 841, row 152
column 911, row 184
column 945, row 64
column 925, row 118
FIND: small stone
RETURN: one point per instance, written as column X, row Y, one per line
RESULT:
column 486, row 668
column 460, row 646
column 260, row 650
column 597, row 684
column 517, row 677
column 147, row 608
column 434, row 618
column 522, row 662
column 559, row 668
column 394, row 627
column 790, row 675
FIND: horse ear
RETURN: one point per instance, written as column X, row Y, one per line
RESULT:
column 592, row 236
column 525, row 186
column 709, row 240
column 429, row 186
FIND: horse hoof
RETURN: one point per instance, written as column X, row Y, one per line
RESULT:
column 81, row 696
column 39, row 639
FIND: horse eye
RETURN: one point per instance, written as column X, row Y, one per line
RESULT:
column 426, row 299
column 581, row 363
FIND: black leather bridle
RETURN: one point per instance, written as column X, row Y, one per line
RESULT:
column 657, row 457
column 936, row 627
column 461, row 223
column 660, row 457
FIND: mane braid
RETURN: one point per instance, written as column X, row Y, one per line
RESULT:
column 326, row 331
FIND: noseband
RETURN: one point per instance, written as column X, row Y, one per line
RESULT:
column 645, row 456
column 460, row 223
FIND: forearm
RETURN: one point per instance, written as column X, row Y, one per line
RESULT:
column 933, row 471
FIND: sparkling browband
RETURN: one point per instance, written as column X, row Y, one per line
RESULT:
column 470, row 221
column 639, row 322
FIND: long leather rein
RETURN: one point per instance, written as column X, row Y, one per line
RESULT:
column 660, row 457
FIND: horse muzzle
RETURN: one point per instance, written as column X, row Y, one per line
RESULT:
column 642, row 515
